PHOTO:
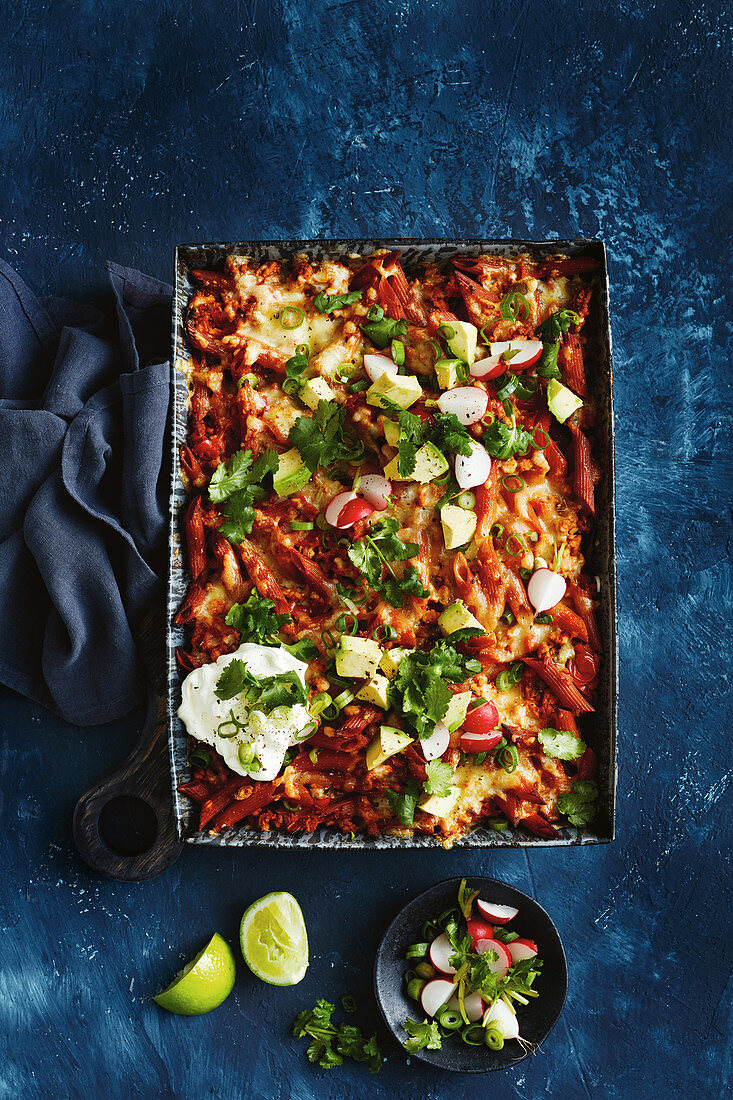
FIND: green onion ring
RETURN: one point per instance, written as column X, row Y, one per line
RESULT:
column 520, row 544
column 417, row 950
column 292, row 317
column 473, row 1035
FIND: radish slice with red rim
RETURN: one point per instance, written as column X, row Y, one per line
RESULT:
column 486, row 369
column 440, row 953
column 474, row 469
column 521, row 949
column 352, row 512
column 479, row 930
column 467, row 403
column 483, row 719
column 496, row 914
column 528, row 352
column 334, row 506
column 480, row 742
column 434, row 995
column 500, row 965
column 377, row 365
column 545, row 588
column 376, row 489
column 436, row 743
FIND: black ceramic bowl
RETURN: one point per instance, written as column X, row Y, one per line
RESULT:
column 536, row 1020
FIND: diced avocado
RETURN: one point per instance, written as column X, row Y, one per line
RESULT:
column 357, row 658
column 429, row 463
column 457, row 710
column 458, row 525
column 315, row 390
column 392, row 432
column 403, row 389
column 375, row 691
column 446, row 371
column 439, row 805
column 463, row 344
column 291, row 474
column 457, row 617
column 391, row 660
column 390, row 741
column 561, row 401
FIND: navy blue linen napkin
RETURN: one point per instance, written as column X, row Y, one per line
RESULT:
column 83, row 491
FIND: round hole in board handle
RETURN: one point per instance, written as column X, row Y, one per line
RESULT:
column 128, row 825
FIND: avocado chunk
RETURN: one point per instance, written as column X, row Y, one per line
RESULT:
column 457, row 710
column 446, row 371
column 463, row 344
column 391, row 660
column 429, row 464
column 458, row 617
column 375, row 691
column 403, row 389
column 561, row 401
column 392, row 432
column 291, row 474
column 439, row 805
column 389, row 742
column 458, row 525
column 315, row 390
column 358, row 658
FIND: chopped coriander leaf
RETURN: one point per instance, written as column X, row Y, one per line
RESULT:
column 236, row 484
column 382, row 330
column 331, row 1043
column 561, row 744
column 422, row 1035
column 465, row 634
column 439, row 775
column 294, row 369
column 375, row 551
column 403, row 804
column 327, row 303
column 505, row 440
column 449, row 434
column 420, row 693
column 320, row 438
column 578, row 804
column 553, row 327
column 260, row 692
column 413, row 433
column 255, row 619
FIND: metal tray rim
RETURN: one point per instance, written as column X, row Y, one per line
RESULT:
column 324, row 838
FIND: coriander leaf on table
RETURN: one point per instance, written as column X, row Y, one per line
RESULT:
column 327, row 303
column 422, row 1035
column 330, row 1043
column 561, row 744
column 403, row 804
column 438, row 778
column 578, row 804
column 255, row 619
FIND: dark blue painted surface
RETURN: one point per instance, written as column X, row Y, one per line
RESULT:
column 125, row 128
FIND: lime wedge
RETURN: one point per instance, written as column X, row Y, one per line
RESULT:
column 274, row 940
column 203, row 983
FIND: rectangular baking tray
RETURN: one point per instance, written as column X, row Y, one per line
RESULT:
column 601, row 726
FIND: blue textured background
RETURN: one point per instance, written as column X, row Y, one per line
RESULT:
column 128, row 127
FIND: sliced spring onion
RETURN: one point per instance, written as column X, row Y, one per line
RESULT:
column 513, row 483
column 200, row 758
column 473, row 1035
column 448, row 1018
column 498, row 824
column 384, row 633
column 482, row 333
column 398, row 352
column 497, row 531
column 539, row 445
column 301, row 525
column 514, row 539
column 510, row 305
column 414, row 988
column 347, row 623
column 375, row 313
column 447, row 332
column 417, row 950
column 435, row 348
column 251, row 378
column 313, row 756
column 494, row 1038
column 425, row 970
column 543, row 619
column 429, row 930
column 507, row 617
column 525, row 574
column 292, row 317
column 292, row 386
column 246, row 755
column 466, row 500
column 362, row 384
column 328, row 639
column 320, row 703
column 508, row 758
column 343, row 699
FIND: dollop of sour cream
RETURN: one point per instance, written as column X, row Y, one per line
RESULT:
column 267, row 737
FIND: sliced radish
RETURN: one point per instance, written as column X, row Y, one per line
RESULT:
column 480, row 742
column 440, row 953
column 377, row 365
column 467, row 403
column 522, row 949
column 483, row 719
column 545, row 589
column 474, row 469
column 486, row 369
column 434, row 994
column 528, row 352
column 376, row 489
column 496, row 914
column 479, row 930
column 499, row 965
column 334, row 506
column 436, row 744
column 472, row 1005
column 501, row 1017
column 352, row 512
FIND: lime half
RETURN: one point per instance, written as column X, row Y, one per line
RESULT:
column 203, row 983
column 274, row 940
